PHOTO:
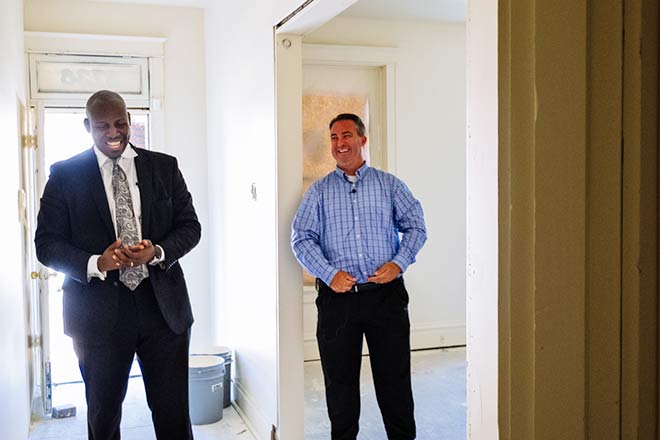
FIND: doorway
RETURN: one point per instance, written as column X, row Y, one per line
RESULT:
column 431, row 132
column 63, row 136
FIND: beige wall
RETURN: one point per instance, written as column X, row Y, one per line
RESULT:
column 15, row 415
column 184, row 106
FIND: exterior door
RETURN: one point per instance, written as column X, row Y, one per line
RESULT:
column 60, row 134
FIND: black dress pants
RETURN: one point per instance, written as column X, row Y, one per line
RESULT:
column 163, row 357
column 381, row 315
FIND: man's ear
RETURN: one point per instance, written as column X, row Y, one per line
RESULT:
column 87, row 126
column 364, row 141
column 129, row 117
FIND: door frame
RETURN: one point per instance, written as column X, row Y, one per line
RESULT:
column 483, row 313
column 35, row 44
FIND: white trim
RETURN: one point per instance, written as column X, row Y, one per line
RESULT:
column 426, row 335
column 243, row 416
column 255, row 420
column 89, row 44
column 437, row 334
column 156, row 103
column 290, row 356
column 309, row 294
column 151, row 48
column 349, row 55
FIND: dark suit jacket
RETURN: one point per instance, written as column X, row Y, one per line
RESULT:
column 74, row 223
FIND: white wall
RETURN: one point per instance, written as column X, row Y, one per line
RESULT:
column 15, row 414
column 184, row 106
column 241, row 140
column 430, row 158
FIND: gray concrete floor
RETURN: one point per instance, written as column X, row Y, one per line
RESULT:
column 439, row 390
column 136, row 418
column 438, row 387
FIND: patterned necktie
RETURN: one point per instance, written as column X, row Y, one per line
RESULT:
column 126, row 224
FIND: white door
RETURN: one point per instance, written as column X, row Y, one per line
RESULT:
column 27, row 201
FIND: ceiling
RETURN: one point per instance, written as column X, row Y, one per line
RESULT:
column 188, row 3
column 427, row 10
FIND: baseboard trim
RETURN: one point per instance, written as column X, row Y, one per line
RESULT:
column 426, row 335
column 250, row 413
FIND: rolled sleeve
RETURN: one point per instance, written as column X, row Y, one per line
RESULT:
column 409, row 218
column 305, row 238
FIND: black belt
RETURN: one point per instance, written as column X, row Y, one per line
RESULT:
column 359, row 287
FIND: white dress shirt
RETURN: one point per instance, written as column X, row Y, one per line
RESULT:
column 127, row 163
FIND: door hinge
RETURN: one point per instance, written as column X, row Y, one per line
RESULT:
column 34, row 341
column 30, row 141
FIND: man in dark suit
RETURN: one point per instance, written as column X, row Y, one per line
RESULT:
column 115, row 219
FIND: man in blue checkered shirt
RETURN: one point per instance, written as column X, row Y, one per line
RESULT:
column 347, row 233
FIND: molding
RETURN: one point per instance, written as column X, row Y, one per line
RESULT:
column 250, row 412
column 337, row 54
column 90, row 44
column 244, row 417
column 425, row 335
column 309, row 295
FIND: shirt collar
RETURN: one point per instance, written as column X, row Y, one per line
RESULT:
column 129, row 153
column 360, row 172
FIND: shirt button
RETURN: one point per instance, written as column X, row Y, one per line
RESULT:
column 354, row 201
column 358, row 236
column 359, row 255
column 355, row 218
column 115, row 283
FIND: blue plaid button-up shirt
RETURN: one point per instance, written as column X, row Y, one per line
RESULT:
column 355, row 227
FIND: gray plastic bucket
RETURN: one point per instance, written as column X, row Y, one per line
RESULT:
column 205, row 385
column 226, row 354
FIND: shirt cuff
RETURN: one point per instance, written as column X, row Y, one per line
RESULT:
column 403, row 265
column 93, row 269
column 329, row 276
column 156, row 260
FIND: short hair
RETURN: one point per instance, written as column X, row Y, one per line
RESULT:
column 359, row 125
column 103, row 97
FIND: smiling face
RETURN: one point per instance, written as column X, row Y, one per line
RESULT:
column 347, row 146
column 109, row 123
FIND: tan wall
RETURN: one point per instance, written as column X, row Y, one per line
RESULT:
column 639, row 255
column 577, row 218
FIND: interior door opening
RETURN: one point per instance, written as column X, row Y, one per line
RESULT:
column 414, row 146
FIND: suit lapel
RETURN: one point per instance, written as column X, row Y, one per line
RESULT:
column 144, row 170
column 97, row 190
